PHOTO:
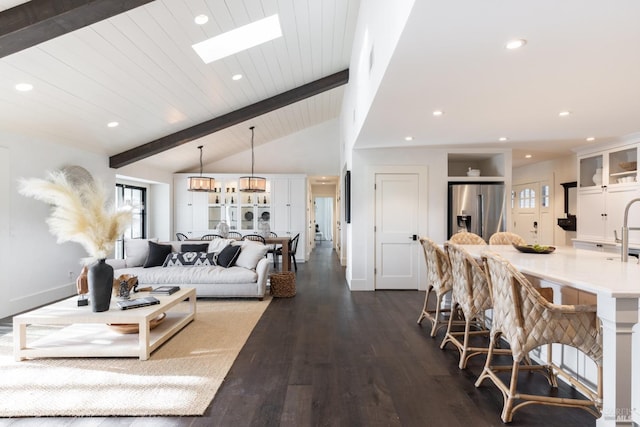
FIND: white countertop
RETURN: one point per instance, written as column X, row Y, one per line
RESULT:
column 592, row 271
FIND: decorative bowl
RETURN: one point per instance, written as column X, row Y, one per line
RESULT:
column 535, row 249
column 248, row 216
column 628, row 166
column 473, row 172
column 132, row 328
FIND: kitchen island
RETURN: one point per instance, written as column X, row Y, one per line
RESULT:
column 617, row 286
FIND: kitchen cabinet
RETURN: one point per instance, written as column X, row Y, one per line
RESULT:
column 190, row 209
column 241, row 211
column 607, row 181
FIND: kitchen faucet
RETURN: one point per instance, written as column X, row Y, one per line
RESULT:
column 625, row 231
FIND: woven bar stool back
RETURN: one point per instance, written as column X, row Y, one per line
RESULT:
column 506, row 238
column 467, row 238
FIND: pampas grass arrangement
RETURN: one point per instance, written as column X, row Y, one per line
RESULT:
column 81, row 212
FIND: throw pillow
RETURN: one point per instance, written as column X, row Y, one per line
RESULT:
column 251, row 253
column 136, row 251
column 217, row 245
column 178, row 259
column 228, row 256
column 157, row 254
column 194, row 247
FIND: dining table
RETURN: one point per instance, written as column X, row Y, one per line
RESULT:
column 284, row 242
column 617, row 286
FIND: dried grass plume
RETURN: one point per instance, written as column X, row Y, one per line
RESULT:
column 81, row 212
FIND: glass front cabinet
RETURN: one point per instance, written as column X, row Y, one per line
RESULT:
column 241, row 211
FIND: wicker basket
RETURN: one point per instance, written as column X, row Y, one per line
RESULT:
column 283, row 285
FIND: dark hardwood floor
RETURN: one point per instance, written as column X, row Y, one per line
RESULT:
column 331, row 357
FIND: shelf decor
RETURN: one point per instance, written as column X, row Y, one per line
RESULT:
column 252, row 184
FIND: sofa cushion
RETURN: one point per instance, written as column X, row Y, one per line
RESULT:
column 179, row 259
column 217, row 245
column 192, row 275
column 250, row 254
column 136, row 251
column 157, row 254
column 194, row 247
column 228, row 256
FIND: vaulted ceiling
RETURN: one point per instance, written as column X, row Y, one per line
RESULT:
column 138, row 68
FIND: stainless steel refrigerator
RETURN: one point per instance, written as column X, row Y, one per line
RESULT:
column 478, row 208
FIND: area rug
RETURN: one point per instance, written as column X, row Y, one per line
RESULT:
column 180, row 378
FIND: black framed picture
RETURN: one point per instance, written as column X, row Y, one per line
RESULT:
column 347, row 197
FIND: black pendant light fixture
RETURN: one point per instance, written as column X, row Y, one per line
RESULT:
column 252, row 184
column 200, row 183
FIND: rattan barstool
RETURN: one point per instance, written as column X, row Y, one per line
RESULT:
column 526, row 320
column 506, row 238
column 467, row 238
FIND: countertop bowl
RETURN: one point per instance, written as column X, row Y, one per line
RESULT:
column 628, row 166
column 533, row 249
column 473, row 172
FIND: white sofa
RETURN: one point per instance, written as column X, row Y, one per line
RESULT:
column 247, row 277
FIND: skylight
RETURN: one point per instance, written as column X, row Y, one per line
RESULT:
column 240, row 39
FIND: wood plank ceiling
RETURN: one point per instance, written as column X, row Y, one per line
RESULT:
column 138, row 68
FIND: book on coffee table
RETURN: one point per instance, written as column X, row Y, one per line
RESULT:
column 165, row 290
column 138, row 302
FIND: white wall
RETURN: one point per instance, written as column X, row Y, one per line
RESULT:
column 37, row 270
column 365, row 165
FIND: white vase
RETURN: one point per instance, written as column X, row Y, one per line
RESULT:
column 223, row 228
column 597, row 177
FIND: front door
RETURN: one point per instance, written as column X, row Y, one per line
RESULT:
column 396, row 227
column 532, row 214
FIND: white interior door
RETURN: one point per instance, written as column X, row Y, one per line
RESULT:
column 397, row 255
column 532, row 213
column 5, row 222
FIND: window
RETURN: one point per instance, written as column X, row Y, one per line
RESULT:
column 527, row 199
column 545, row 197
column 136, row 198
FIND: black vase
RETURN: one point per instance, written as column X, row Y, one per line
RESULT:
column 100, row 278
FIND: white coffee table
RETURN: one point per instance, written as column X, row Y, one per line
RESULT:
column 88, row 333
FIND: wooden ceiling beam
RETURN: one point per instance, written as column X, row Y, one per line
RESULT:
column 227, row 120
column 37, row 21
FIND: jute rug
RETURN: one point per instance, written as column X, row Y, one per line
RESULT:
column 180, row 378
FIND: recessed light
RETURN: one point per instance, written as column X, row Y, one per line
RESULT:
column 438, row 113
column 564, row 113
column 201, row 19
column 591, row 138
column 236, row 77
column 515, row 44
column 528, row 156
column 112, row 124
column 502, row 139
column 24, row 87
column 408, row 138
column 239, row 39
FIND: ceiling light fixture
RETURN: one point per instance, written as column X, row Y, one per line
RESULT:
column 24, row 87
column 112, row 124
column 515, row 44
column 408, row 138
column 564, row 113
column 236, row 77
column 201, row 19
column 528, row 156
column 240, row 39
column 200, row 183
column 591, row 138
column 252, row 184
column 502, row 139
column 438, row 113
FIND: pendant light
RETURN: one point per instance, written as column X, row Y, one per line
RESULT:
column 200, row 183
column 252, row 184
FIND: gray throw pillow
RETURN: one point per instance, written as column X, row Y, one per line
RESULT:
column 157, row 254
column 228, row 256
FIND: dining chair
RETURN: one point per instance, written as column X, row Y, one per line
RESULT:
column 273, row 247
column 211, row 237
column 470, row 295
column 438, row 284
column 181, row 236
column 293, row 247
column 526, row 320
column 506, row 238
column 467, row 238
column 234, row 235
column 254, row 237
